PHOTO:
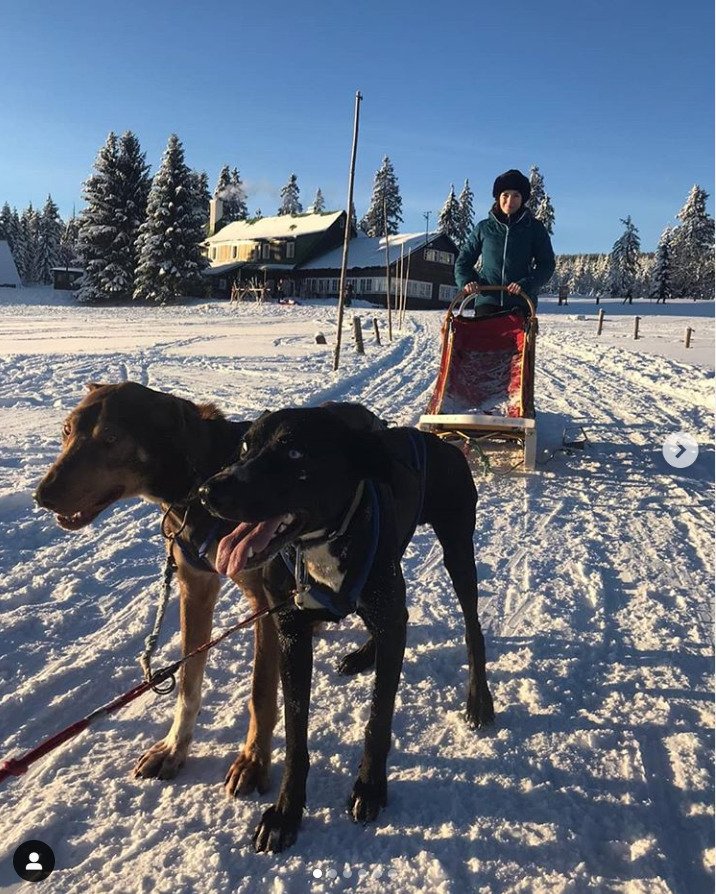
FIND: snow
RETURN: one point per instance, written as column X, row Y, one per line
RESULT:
column 8, row 271
column 278, row 227
column 596, row 577
column 369, row 251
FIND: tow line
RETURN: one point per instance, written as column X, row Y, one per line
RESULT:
column 17, row 766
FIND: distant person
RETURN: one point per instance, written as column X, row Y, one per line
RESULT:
column 349, row 295
column 514, row 246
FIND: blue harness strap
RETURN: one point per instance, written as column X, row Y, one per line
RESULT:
column 198, row 559
column 346, row 601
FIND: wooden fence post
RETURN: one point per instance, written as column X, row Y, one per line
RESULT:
column 600, row 322
column 687, row 337
column 358, row 335
column 376, row 330
column 636, row 327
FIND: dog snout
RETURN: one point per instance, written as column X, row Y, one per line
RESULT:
column 43, row 495
column 218, row 494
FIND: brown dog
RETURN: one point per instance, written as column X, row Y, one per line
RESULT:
column 125, row 441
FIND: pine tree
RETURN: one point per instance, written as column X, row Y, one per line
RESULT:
column 289, row 198
column 201, row 198
column 660, row 285
column 545, row 214
column 449, row 219
column 6, row 224
column 539, row 202
column 26, row 256
column 69, row 253
column 385, row 203
column 98, row 231
column 258, row 214
column 467, row 213
column 169, row 243
column 319, row 203
column 624, row 261
column 693, row 248
column 49, row 236
column 230, row 189
column 15, row 239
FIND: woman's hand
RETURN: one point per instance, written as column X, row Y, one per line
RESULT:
column 514, row 288
column 471, row 288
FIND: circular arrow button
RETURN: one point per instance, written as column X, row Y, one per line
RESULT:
column 680, row 450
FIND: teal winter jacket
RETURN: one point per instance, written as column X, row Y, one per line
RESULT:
column 519, row 251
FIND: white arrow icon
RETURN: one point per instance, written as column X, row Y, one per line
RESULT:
column 680, row 450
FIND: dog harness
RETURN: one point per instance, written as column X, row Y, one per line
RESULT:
column 310, row 594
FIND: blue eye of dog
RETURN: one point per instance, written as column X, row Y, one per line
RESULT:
column 295, row 454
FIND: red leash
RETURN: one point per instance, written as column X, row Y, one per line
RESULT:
column 16, row 766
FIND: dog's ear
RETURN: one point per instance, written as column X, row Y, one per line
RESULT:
column 369, row 456
column 93, row 386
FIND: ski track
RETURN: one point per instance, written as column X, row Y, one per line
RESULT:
column 595, row 595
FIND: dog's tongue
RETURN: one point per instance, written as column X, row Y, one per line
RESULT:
column 233, row 552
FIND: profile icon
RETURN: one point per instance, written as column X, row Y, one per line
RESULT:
column 33, row 864
column 33, row 861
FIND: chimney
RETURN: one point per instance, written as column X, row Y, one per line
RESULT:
column 216, row 212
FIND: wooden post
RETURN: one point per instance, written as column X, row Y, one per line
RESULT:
column 597, row 299
column 347, row 233
column 405, row 287
column 636, row 327
column 400, row 288
column 687, row 337
column 358, row 335
column 376, row 330
column 600, row 321
column 387, row 272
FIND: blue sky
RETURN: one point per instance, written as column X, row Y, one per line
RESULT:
column 613, row 100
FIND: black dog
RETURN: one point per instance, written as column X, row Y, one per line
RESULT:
column 328, row 512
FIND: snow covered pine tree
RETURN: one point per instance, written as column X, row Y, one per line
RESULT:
column 624, row 262
column 290, row 203
column 449, row 218
column 385, row 189
column 467, row 214
column 169, row 242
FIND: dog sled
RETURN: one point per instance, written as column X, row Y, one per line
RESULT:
column 484, row 392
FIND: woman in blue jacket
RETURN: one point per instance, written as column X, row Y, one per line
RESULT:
column 514, row 246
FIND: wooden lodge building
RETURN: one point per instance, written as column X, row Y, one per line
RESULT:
column 300, row 255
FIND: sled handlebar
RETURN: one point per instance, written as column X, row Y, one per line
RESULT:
column 463, row 298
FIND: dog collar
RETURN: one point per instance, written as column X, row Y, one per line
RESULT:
column 310, row 595
column 317, row 539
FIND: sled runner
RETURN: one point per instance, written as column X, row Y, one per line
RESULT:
column 484, row 391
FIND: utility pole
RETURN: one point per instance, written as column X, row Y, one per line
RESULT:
column 426, row 215
column 387, row 271
column 347, row 232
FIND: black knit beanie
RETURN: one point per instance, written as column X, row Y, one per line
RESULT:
column 512, row 180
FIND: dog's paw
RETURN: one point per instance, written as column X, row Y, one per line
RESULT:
column 480, row 711
column 366, row 800
column 162, row 761
column 276, row 831
column 362, row 659
column 247, row 774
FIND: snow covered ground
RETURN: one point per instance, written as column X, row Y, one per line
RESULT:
column 596, row 583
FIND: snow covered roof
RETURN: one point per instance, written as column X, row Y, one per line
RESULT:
column 8, row 271
column 369, row 251
column 281, row 226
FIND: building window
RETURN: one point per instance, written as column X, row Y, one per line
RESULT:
column 447, row 293
column 213, row 253
column 290, row 250
column 265, row 251
column 366, row 286
column 439, row 257
column 234, row 250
